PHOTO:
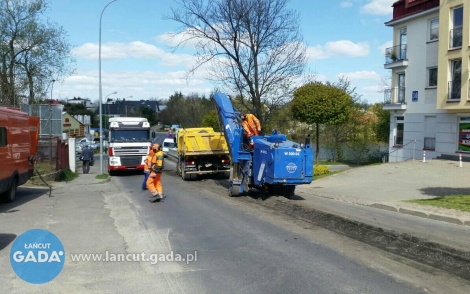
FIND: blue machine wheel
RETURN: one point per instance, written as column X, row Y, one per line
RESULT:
column 234, row 190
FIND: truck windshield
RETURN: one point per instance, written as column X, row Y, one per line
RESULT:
column 129, row 136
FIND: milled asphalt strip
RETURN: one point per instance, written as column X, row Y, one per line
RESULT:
column 453, row 260
column 408, row 211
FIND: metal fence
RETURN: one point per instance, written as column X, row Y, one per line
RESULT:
column 54, row 151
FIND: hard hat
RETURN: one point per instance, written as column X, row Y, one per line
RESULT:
column 155, row 146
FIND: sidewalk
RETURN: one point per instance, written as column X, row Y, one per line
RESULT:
column 387, row 186
column 375, row 195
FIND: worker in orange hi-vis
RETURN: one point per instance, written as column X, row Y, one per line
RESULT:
column 154, row 184
column 251, row 125
column 147, row 168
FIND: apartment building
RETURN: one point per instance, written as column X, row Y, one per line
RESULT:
column 429, row 97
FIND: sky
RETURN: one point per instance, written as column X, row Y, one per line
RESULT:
column 138, row 61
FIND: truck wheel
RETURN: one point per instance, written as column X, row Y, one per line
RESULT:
column 234, row 190
column 10, row 194
column 184, row 175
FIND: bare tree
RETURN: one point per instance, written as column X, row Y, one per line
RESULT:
column 253, row 47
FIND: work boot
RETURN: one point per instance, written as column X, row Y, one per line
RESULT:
column 155, row 198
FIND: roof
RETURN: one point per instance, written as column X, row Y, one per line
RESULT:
column 405, row 9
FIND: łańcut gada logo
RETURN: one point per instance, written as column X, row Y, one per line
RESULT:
column 37, row 256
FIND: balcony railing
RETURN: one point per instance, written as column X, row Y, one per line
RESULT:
column 395, row 53
column 429, row 143
column 394, row 95
column 454, row 90
column 456, row 38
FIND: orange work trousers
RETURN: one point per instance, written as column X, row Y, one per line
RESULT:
column 154, row 183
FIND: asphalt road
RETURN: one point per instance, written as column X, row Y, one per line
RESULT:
column 241, row 250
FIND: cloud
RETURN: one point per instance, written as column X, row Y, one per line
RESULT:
column 137, row 50
column 378, row 7
column 345, row 4
column 139, row 84
column 348, row 48
column 373, row 89
column 181, row 39
column 384, row 46
column 361, row 75
column 113, row 50
column 338, row 48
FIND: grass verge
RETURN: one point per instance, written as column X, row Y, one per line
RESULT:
column 67, row 175
column 458, row 202
column 102, row 177
column 326, row 175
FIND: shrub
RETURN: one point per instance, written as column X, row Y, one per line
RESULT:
column 67, row 175
column 320, row 170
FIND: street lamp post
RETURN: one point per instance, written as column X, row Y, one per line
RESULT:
column 101, row 100
column 106, row 98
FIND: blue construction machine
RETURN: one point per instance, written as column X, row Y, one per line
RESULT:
column 274, row 164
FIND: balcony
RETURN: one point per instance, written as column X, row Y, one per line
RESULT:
column 394, row 98
column 454, row 90
column 395, row 56
column 455, row 38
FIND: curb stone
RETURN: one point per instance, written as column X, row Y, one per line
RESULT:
column 448, row 219
column 421, row 214
column 413, row 212
column 385, row 207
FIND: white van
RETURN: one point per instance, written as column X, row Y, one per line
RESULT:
column 168, row 145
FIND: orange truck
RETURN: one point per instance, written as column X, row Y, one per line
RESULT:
column 18, row 147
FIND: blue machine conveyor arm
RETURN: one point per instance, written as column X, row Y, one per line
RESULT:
column 231, row 126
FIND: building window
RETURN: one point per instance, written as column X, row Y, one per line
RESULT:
column 464, row 134
column 400, row 128
column 3, row 137
column 432, row 77
column 434, row 30
column 455, row 79
column 456, row 30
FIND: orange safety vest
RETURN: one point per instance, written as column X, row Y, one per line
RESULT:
column 251, row 125
column 156, row 162
column 147, row 160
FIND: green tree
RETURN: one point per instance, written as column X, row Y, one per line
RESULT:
column 211, row 120
column 318, row 103
column 33, row 52
column 188, row 111
column 381, row 127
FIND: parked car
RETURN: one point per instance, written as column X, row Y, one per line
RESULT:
column 79, row 146
column 168, row 144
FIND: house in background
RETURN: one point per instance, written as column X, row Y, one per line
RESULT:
column 72, row 127
column 429, row 95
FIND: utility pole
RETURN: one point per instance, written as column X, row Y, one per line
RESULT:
column 50, row 125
